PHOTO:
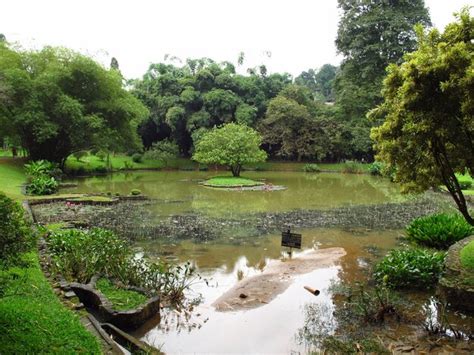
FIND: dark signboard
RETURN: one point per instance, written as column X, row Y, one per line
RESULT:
column 292, row 240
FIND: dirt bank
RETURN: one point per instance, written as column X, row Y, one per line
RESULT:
column 258, row 290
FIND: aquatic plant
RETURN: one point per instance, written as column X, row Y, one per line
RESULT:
column 418, row 268
column 311, row 168
column 135, row 192
column 439, row 231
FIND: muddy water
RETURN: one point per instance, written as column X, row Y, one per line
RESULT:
column 272, row 327
column 180, row 192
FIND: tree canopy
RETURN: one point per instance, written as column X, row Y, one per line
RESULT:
column 232, row 144
column 56, row 101
column 428, row 133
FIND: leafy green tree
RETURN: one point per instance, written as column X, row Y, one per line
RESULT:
column 232, row 144
column 62, row 102
column 320, row 83
column 428, row 133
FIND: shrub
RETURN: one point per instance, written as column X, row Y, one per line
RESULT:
column 438, row 231
column 79, row 155
column 164, row 150
column 42, row 185
column 376, row 168
column 417, row 268
column 311, row 168
column 79, row 255
column 42, row 167
column 127, row 165
column 350, row 167
column 465, row 184
column 137, row 158
column 101, row 155
column 135, row 192
column 15, row 235
column 467, row 256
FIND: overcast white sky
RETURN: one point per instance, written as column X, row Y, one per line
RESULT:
column 299, row 34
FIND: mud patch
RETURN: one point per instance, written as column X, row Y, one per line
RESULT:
column 259, row 290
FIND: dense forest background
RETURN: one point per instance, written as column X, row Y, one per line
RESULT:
column 318, row 115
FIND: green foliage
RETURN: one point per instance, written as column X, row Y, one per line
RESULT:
column 465, row 184
column 122, row 299
column 42, row 167
column 42, row 185
column 376, row 168
column 350, row 167
column 311, row 168
column 371, row 35
column 164, row 150
column 79, row 255
column 414, row 268
column 15, row 234
column 137, row 158
column 232, row 145
column 439, row 230
column 101, row 154
column 135, row 192
column 80, row 154
column 467, row 256
column 427, row 112
column 62, row 101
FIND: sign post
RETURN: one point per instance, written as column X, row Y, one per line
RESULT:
column 291, row 240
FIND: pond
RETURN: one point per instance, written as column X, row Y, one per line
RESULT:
column 180, row 193
column 245, row 246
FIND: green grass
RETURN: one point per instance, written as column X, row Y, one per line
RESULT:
column 467, row 256
column 121, row 299
column 33, row 320
column 231, row 181
column 12, row 177
column 91, row 199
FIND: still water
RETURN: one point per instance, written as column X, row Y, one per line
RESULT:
column 273, row 327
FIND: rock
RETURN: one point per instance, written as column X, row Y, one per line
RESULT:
column 78, row 306
column 243, row 295
column 69, row 294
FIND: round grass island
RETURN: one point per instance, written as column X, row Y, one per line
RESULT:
column 240, row 183
column 231, row 182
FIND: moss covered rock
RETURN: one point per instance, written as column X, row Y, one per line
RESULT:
column 457, row 284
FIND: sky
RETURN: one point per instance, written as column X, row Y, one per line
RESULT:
column 285, row 35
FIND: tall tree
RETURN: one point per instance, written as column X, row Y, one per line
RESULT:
column 371, row 35
column 428, row 133
column 62, row 102
column 232, row 145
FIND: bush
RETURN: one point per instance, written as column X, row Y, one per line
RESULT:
column 42, row 167
column 135, row 192
column 101, row 155
column 417, row 268
column 78, row 255
column 79, row 155
column 15, row 235
column 42, row 185
column 164, row 150
column 465, row 184
column 439, row 231
column 137, row 158
column 311, row 168
column 376, row 168
column 350, row 167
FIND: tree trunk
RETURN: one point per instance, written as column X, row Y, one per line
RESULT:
column 236, row 170
column 451, row 182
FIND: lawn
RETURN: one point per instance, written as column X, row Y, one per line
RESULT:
column 12, row 177
column 32, row 319
column 231, row 181
column 467, row 177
